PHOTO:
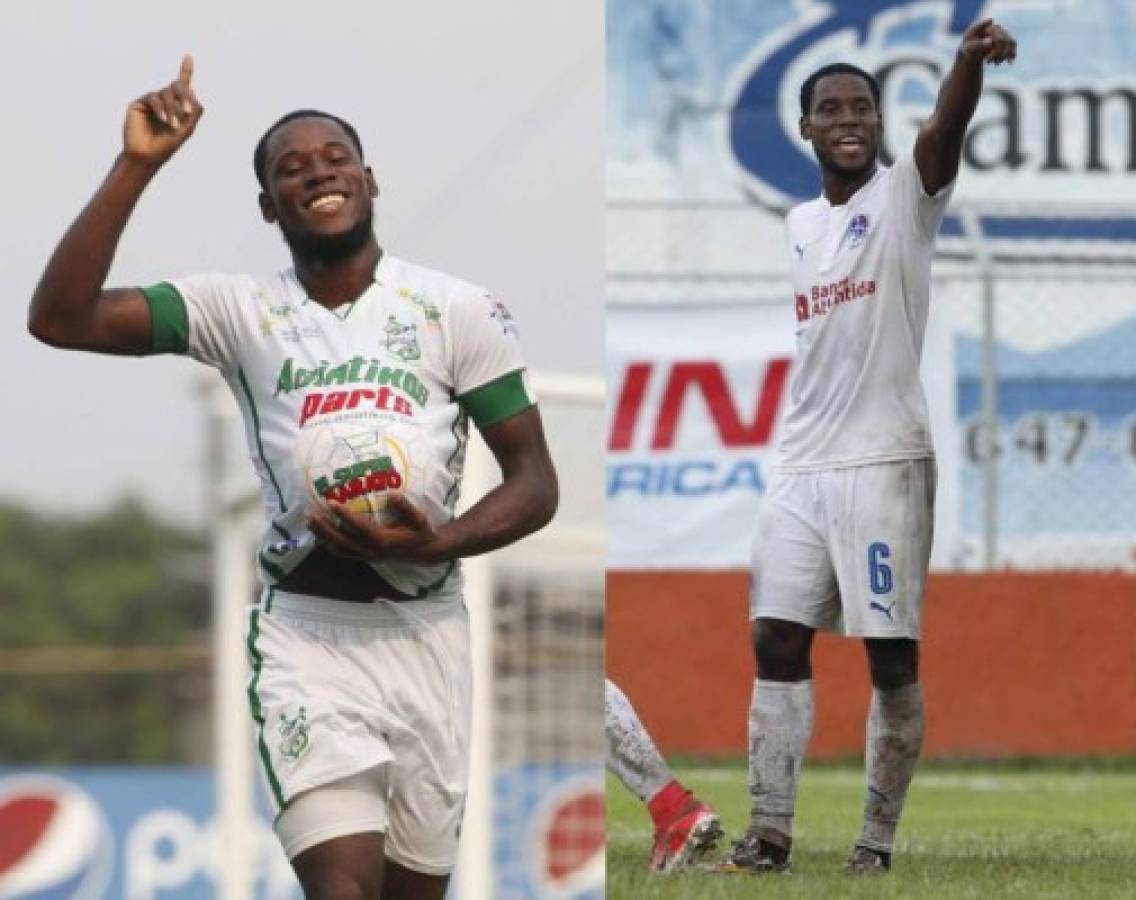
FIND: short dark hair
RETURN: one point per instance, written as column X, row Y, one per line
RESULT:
column 840, row 68
column 260, row 154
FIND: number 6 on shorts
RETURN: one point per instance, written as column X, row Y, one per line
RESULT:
column 879, row 572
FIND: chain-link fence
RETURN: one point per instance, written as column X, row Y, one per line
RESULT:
column 1028, row 363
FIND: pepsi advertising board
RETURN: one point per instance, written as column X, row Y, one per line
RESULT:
column 105, row 834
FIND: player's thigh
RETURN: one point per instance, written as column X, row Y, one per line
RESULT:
column 349, row 867
column 401, row 883
column 880, row 527
column 793, row 578
column 430, row 740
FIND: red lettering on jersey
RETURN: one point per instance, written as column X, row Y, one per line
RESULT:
column 333, row 402
column 402, row 406
column 802, row 308
column 357, row 395
column 310, row 408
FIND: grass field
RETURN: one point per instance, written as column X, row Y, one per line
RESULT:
column 967, row 833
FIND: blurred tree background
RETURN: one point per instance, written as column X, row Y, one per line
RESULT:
column 104, row 643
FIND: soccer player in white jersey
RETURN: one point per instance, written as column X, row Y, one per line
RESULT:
column 844, row 535
column 360, row 687
column 685, row 827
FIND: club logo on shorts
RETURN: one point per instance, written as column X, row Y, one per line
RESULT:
column 402, row 340
column 857, row 230
column 294, row 740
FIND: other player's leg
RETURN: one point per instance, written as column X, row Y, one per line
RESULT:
column 685, row 827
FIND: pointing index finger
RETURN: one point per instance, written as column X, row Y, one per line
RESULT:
column 185, row 73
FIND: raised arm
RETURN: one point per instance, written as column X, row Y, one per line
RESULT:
column 70, row 307
column 524, row 502
column 938, row 149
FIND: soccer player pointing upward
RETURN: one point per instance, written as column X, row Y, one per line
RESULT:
column 844, row 536
column 360, row 690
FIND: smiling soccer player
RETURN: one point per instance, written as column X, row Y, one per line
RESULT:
column 360, row 687
column 844, row 536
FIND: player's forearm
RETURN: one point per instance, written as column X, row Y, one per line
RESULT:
column 515, row 508
column 958, row 98
column 65, row 298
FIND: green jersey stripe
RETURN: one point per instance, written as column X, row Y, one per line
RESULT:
column 259, row 442
column 254, row 704
column 169, row 325
column 498, row 400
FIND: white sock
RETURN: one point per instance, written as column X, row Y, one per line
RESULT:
column 895, row 736
column 780, row 725
column 631, row 754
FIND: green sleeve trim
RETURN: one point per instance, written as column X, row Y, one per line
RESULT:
column 169, row 326
column 497, row 400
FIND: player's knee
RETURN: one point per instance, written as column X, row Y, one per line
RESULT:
column 782, row 653
column 893, row 663
column 338, row 887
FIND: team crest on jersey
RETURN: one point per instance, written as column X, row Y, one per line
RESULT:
column 502, row 315
column 402, row 340
column 294, row 739
column 802, row 308
column 857, row 230
column 431, row 312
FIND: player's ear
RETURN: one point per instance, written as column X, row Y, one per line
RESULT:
column 372, row 185
column 267, row 207
column 805, row 128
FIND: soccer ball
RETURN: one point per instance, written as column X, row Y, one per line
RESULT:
column 360, row 464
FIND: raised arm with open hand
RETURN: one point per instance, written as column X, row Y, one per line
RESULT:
column 70, row 307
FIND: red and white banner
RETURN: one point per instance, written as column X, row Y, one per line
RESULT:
column 697, row 393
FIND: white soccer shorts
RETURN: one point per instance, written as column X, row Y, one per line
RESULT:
column 339, row 689
column 846, row 550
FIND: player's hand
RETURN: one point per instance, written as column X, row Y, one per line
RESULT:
column 989, row 41
column 158, row 123
column 411, row 539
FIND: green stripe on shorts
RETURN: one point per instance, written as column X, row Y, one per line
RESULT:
column 497, row 400
column 169, row 325
column 254, row 704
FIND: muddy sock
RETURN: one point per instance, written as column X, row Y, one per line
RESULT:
column 631, row 754
column 780, row 724
column 895, row 736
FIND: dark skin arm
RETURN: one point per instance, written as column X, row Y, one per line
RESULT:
column 70, row 307
column 938, row 149
column 524, row 502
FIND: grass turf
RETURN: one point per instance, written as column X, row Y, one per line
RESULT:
column 966, row 833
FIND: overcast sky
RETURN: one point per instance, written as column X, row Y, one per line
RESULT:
column 482, row 121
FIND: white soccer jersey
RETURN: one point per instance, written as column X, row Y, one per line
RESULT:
column 418, row 347
column 862, row 279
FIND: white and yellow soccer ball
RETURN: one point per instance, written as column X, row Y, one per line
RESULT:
column 360, row 463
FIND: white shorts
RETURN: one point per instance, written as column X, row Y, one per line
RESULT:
column 846, row 550
column 338, row 689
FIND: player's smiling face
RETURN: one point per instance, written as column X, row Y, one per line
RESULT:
column 843, row 125
column 319, row 190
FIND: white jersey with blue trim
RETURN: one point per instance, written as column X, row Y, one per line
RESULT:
column 418, row 348
column 862, row 281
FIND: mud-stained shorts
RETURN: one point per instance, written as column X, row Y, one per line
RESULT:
column 846, row 550
column 339, row 688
